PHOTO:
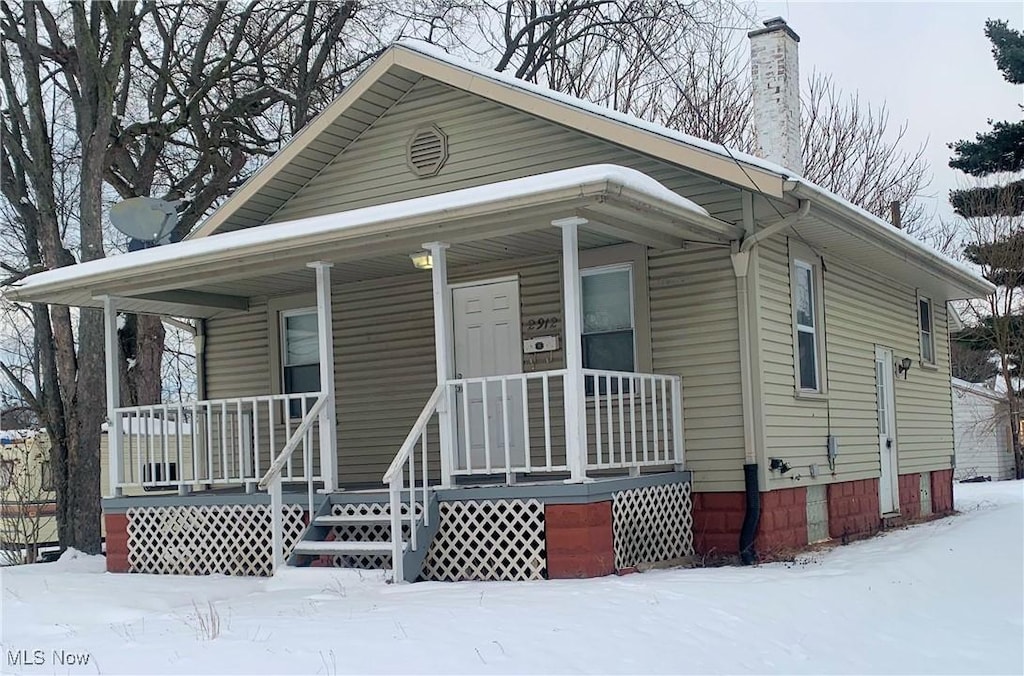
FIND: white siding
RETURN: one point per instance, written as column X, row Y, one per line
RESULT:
column 981, row 437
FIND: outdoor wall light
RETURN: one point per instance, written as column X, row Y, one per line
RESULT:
column 903, row 367
column 422, row 260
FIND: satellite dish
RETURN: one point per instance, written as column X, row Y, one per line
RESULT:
column 145, row 219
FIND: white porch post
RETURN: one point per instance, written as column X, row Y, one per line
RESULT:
column 328, row 421
column 444, row 355
column 114, row 439
column 575, row 412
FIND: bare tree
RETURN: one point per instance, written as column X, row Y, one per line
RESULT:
column 993, row 240
column 179, row 101
column 850, row 148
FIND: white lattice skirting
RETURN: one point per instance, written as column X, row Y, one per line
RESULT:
column 207, row 539
column 652, row 524
column 488, row 540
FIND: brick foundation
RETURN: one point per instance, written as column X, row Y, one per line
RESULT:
column 579, row 540
column 718, row 520
column 117, row 542
column 783, row 521
column 942, row 491
column 910, row 496
column 853, row 509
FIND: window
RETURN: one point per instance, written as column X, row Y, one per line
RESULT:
column 608, row 335
column 807, row 324
column 924, row 320
column 46, row 476
column 300, row 355
column 6, row 473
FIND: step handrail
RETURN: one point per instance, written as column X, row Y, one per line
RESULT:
column 410, row 440
column 394, row 479
column 282, row 458
column 271, row 481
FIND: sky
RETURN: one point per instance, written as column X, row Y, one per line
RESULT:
column 930, row 62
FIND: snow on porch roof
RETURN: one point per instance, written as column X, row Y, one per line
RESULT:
column 79, row 284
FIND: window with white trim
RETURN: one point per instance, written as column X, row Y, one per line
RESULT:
column 609, row 339
column 807, row 325
column 300, row 354
column 925, row 331
column 6, row 473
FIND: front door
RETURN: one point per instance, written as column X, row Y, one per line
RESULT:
column 888, row 485
column 488, row 343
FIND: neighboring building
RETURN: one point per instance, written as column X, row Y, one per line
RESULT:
column 27, row 499
column 584, row 338
column 982, row 433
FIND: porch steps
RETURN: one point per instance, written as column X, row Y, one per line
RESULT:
column 342, row 548
column 351, row 519
column 361, row 538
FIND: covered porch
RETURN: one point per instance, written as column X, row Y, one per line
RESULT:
column 484, row 422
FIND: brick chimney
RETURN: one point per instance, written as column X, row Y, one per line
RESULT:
column 775, row 79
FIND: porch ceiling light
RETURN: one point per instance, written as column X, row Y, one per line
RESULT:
column 422, row 260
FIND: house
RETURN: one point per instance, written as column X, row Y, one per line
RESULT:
column 27, row 499
column 474, row 329
column 982, row 433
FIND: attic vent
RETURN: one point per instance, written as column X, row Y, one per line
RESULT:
column 427, row 151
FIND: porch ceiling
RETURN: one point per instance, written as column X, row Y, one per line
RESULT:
column 219, row 274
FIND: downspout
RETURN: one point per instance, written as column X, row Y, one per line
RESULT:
column 741, row 266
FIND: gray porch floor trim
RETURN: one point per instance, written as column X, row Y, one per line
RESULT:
column 598, row 489
column 207, row 498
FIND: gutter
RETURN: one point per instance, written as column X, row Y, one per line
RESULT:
column 175, row 261
column 882, row 234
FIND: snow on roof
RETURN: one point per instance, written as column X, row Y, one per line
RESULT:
column 435, row 52
column 981, row 389
column 439, row 204
column 892, row 231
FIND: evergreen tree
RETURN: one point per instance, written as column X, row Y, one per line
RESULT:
column 994, row 221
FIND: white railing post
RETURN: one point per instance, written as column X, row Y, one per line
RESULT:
column 276, row 525
column 575, row 415
column 395, row 487
column 328, row 423
column 113, row 358
column 444, row 356
column 678, row 440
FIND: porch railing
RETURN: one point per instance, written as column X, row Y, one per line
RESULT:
column 512, row 424
column 209, row 443
column 515, row 424
column 634, row 420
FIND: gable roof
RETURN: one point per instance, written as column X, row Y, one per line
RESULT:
column 859, row 235
column 401, row 66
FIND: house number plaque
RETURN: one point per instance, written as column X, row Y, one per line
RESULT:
column 542, row 324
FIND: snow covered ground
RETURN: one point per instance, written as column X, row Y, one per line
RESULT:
column 944, row 597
